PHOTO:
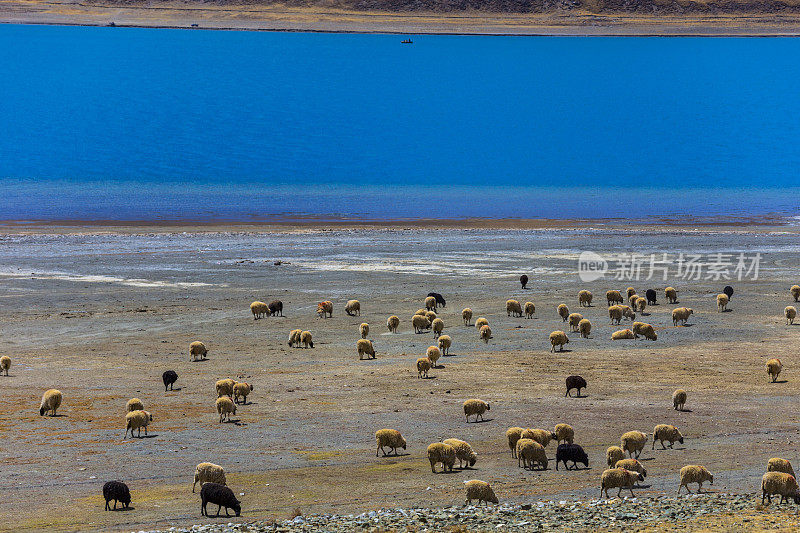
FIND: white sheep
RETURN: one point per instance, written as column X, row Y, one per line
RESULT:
column 479, row 490
column 389, row 438
column 353, row 308
column 365, row 347
column 679, row 399
column 259, row 310
column 392, row 323
column 641, row 304
column 681, row 314
column 305, row 338
column 464, row 452
column 224, row 387
column 433, row 354
column 622, row 335
column 633, row 465
column 430, row 303
column 614, row 297
column 208, row 473
column 722, row 302
column 225, row 408
column 795, row 291
column 437, row 326
column 645, row 330
column 481, row 322
column 585, row 328
column 485, row 334
column 614, row 454
column 573, row 320
column 420, row 323
column 197, row 349
column 619, row 478
column 137, row 420
column 584, row 298
column 779, row 483
column 671, row 294
column 241, row 390
column 423, row 367
column 542, row 436
column 695, row 474
column 558, row 338
column 294, row 337
column 790, row 313
column 564, row 432
column 475, row 407
column 774, row 368
column 439, row 452
column 563, row 311
column 776, row 464
column 633, row 442
column 364, row 330
column 51, row 400
column 530, row 453
column 615, row 314
column 530, row 309
column 513, row 308
column 466, row 314
column 5, row 364
column 630, row 291
column 134, row 404
column 666, row 432
column 513, row 434
column 444, row 344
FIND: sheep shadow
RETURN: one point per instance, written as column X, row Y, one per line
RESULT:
column 565, row 350
column 57, row 416
column 684, row 410
column 438, row 367
column 575, row 468
column 481, row 421
column 396, row 454
column 122, row 509
column 234, row 421
column 174, row 390
column 727, row 310
column 779, row 381
column 203, row 360
column 584, row 395
column 429, row 377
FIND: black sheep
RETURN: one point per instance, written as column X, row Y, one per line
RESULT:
column 728, row 290
column 276, row 308
column 117, row 491
column 523, row 279
column 651, row 297
column 169, row 377
column 575, row 382
column 571, row 452
column 439, row 298
column 220, row 495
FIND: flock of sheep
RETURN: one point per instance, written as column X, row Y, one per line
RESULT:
column 526, row 445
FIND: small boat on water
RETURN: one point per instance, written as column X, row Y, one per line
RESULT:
column 407, row 41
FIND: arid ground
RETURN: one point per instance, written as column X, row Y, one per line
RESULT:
column 101, row 314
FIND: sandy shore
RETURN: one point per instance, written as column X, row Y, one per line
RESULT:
column 100, row 316
column 252, row 17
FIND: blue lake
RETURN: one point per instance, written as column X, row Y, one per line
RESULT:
column 122, row 123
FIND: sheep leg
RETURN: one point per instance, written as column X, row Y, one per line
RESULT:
column 219, row 508
column 631, row 489
column 662, row 445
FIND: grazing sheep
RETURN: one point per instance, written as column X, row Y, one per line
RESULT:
column 259, row 310
column 633, row 442
column 420, row 323
column 575, row 382
column 431, row 316
column 573, row 320
column 444, row 344
column 542, row 436
column 433, row 354
column 305, row 338
column 117, row 491
column 224, row 387
column 619, row 478
column 169, row 377
column 681, row 314
column 51, row 400
column 628, row 313
column 679, row 399
column 389, row 438
column 641, row 304
column 364, row 330
column 294, row 337
column 393, row 323
column 615, row 314
column 325, row 309
column 671, row 294
column 722, row 302
column 439, row 452
column 137, row 420
column 530, row 453
column 790, row 313
column 353, row 308
column 630, row 291
column 464, row 452
column 613, row 297
column 438, row 326
column 475, row 407
column 466, row 314
column 795, row 290
column 241, row 390
column 486, row 334
column 585, row 328
column 694, row 474
column 276, row 308
column 365, row 347
column 776, row 464
column 558, row 338
column 225, row 408
column 480, row 490
column 774, row 368
column 219, row 495
column 622, row 335
column 571, row 452
column 513, row 434
column 779, row 483
column 613, row 455
column 666, row 432
column 633, row 465
column 430, row 303
column 197, row 349
column 481, row 322
column 423, row 366
column 513, row 308
column 651, row 296
column 134, row 404
column 439, row 298
column 563, row 311
column 530, row 309
column 5, row 364
column 564, row 432
column 421, row 312
column 523, row 280
column 584, row 298
column 208, row 473
column 645, row 330
column 632, row 299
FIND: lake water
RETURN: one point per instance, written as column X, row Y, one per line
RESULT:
column 118, row 123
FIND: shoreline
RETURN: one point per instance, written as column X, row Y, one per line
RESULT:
column 277, row 18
